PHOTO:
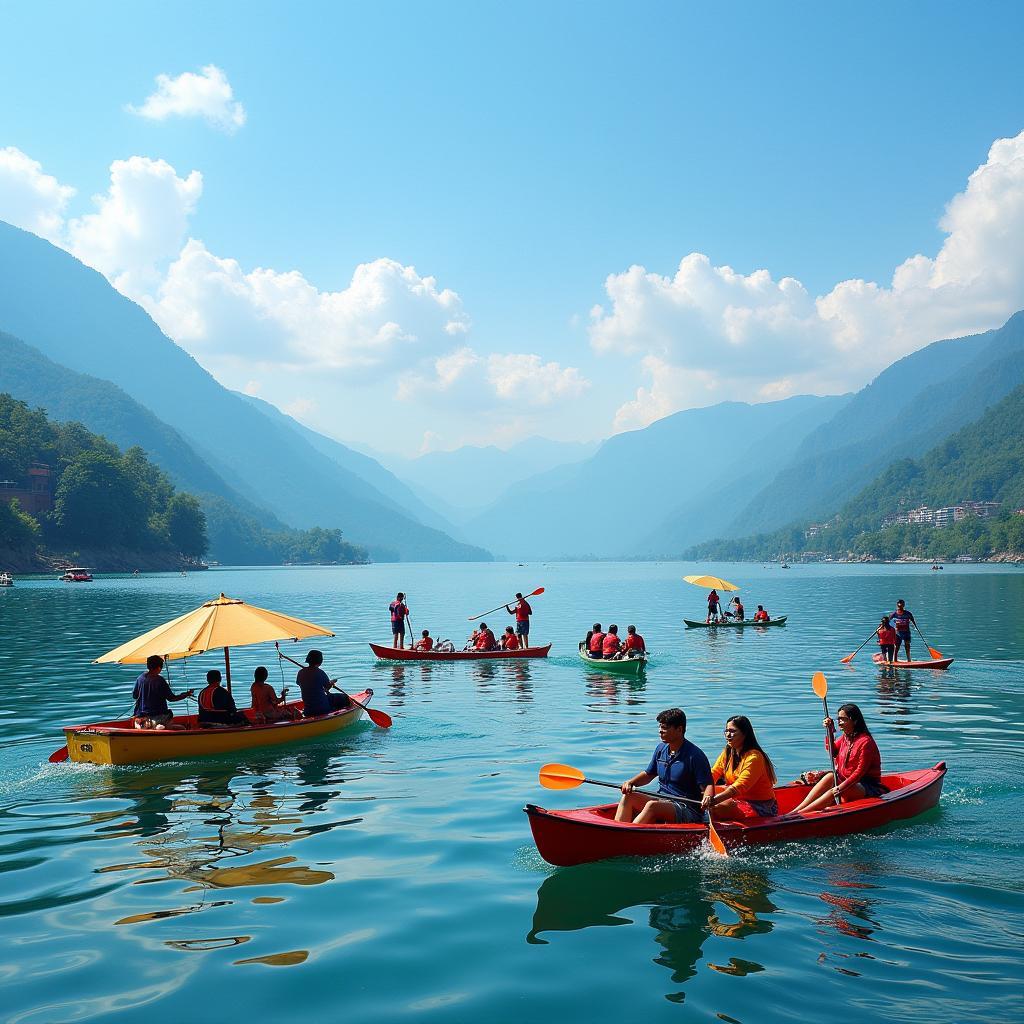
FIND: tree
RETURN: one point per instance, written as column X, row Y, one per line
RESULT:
column 96, row 501
column 186, row 525
column 17, row 528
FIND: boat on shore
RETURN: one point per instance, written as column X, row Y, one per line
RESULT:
column 77, row 575
column 586, row 834
column 930, row 663
column 120, row 743
column 620, row 666
column 729, row 624
column 386, row 653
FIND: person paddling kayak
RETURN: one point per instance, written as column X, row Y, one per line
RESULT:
column 522, row 611
column 901, row 621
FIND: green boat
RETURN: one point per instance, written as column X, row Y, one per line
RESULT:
column 690, row 624
column 620, row 666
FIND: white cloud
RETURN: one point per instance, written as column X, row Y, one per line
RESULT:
column 761, row 338
column 474, row 380
column 29, row 198
column 208, row 95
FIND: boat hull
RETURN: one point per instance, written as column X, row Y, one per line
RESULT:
column 119, row 743
column 565, row 838
column 934, row 663
column 691, row 624
column 620, row 666
column 406, row 654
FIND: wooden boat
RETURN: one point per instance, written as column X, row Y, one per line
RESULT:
column 111, row 743
column 930, row 663
column 620, row 666
column 77, row 575
column 386, row 653
column 571, row 837
column 729, row 624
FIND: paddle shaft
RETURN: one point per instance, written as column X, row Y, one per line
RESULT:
column 647, row 792
column 850, row 657
column 377, row 717
column 497, row 608
column 931, row 650
column 831, row 747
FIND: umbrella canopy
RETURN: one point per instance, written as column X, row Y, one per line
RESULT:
column 225, row 622
column 710, row 581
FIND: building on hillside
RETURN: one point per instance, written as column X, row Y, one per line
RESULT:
column 34, row 492
column 981, row 509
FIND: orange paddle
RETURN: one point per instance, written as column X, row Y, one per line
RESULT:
column 850, row 657
column 820, row 686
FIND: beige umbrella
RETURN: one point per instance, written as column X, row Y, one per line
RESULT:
column 225, row 622
column 714, row 582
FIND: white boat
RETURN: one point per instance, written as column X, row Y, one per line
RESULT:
column 6, row 579
column 78, row 574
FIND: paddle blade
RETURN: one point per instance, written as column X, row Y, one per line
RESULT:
column 539, row 590
column 937, row 655
column 59, row 755
column 847, row 659
column 715, row 839
column 561, row 776
column 381, row 718
column 820, row 684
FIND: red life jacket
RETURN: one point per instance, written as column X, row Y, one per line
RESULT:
column 523, row 611
column 635, row 642
column 426, row 644
column 206, row 698
column 485, row 641
column 610, row 644
column 761, row 617
column 596, row 642
column 511, row 642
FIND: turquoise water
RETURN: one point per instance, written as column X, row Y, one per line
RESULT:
column 390, row 876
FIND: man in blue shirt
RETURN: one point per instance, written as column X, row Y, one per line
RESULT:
column 900, row 621
column 681, row 768
column 315, row 687
column 151, row 695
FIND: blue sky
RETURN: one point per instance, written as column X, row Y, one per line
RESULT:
column 518, row 155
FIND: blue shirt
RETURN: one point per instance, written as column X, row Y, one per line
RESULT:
column 686, row 774
column 314, row 684
column 901, row 621
column 151, row 694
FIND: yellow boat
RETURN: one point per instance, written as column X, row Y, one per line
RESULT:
column 118, row 742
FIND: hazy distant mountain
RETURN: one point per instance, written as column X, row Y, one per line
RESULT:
column 908, row 408
column 462, row 482
column 627, row 497
column 53, row 302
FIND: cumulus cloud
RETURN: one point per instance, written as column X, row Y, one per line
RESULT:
column 207, row 95
column 29, row 198
column 710, row 331
column 476, row 380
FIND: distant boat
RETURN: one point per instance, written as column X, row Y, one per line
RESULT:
column 77, row 574
column 6, row 579
column 784, row 566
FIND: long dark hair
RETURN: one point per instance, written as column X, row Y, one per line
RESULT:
column 732, row 759
column 860, row 727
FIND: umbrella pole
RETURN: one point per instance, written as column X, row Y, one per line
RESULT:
column 227, row 667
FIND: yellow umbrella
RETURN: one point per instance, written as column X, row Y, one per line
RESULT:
column 225, row 622
column 710, row 581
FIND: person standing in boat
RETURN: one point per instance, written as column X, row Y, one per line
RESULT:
column 887, row 640
column 216, row 705
column 901, row 620
column 682, row 770
column 634, row 646
column 858, row 771
column 714, row 607
column 522, row 611
column 315, row 687
column 399, row 613
column 151, row 694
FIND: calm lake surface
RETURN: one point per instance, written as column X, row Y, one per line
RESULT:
column 391, row 876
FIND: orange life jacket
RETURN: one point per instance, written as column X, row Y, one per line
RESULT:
column 610, row 644
column 596, row 642
column 206, row 697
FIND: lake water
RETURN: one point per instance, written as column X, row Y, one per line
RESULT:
column 390, row 875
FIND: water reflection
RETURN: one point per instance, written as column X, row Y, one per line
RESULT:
column 606, row 688
column 682, row 907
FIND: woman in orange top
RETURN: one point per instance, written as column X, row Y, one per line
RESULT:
column 747, row 773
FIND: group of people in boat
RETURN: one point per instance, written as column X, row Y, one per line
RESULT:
column 734, row 611
column 482, row 637
column 606, row 646
column 894, row 633
column 741, row 783
column 216, row 705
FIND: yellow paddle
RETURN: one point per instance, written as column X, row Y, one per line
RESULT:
column 564, row 776
column 820, row 685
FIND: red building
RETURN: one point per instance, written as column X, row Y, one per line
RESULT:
column 34, row 492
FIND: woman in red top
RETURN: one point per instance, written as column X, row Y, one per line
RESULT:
column 634, row 643
column 858, row 763
column 611, row 645
column 887, row 640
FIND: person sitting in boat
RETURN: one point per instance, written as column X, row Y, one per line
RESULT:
column 634, row 646
column 509, row 640
column 425, row 642
column 151, row 695
column 738, row 611
column 315, row 687
column 761, row 615
column 901, row 620
column 267, row 706
column 747, row 774
column 216, row 705
column 471, row 642
column 714, row 607
column 858, row 771
column 595, row 641
column 611, row 646
column 485, row 639
column 681, row 769
column 887, row 640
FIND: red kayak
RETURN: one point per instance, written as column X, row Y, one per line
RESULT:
column 407, row 654
column 591, row 833
column 933, row 663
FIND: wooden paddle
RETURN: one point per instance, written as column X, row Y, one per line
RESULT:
column 936, row 654
column 535, row 593
column 564, row 776
column 380, row 718
column 820, row 685
column 850, row 657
